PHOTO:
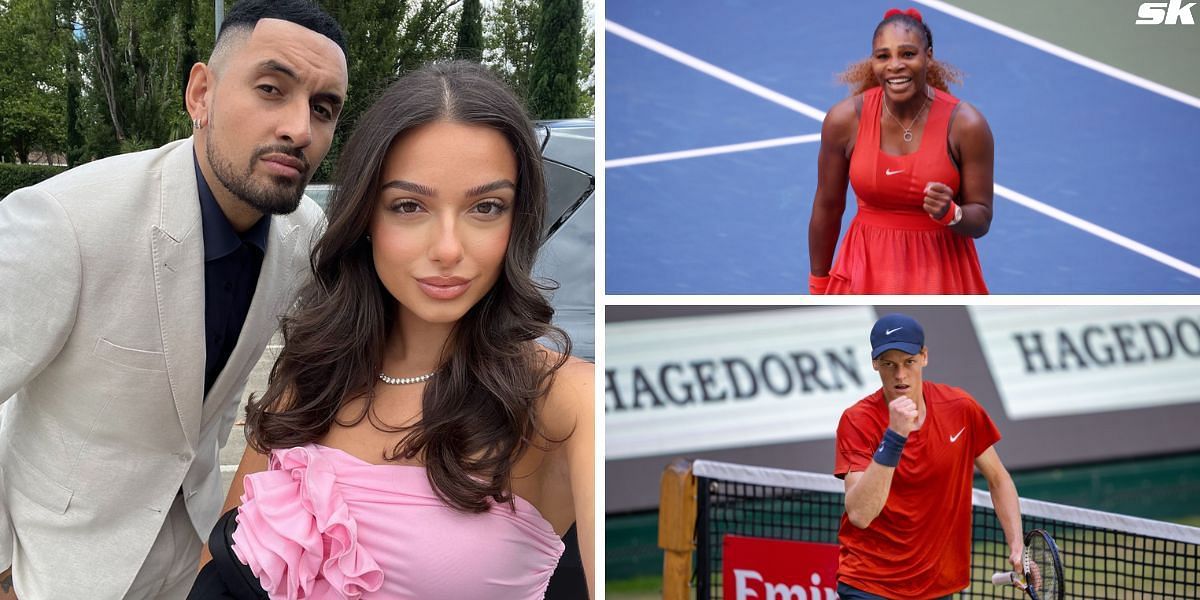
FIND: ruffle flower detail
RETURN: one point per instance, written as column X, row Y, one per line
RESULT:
column 296, row 534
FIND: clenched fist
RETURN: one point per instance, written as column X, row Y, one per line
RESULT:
column 939, row 198
column 902, row 415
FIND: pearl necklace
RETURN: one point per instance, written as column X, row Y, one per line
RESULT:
column 406, row 380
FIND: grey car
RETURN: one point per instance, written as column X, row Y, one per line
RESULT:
column 567, row 256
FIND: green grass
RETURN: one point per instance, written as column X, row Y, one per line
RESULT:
column 637, row 585
column 1193, row 520
column 647, row 587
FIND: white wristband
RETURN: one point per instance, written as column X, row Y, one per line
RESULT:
column 957, row 216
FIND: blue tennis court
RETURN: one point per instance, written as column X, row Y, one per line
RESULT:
column 712, row 111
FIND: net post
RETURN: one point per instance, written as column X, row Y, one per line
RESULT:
column 676, row 528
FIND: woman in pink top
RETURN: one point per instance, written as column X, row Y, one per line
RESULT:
column 416, row 440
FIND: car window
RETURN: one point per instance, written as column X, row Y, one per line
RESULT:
column 567, row 257
column 567, row 188
column 319, row 192
column 567, row 263
column 569, row 157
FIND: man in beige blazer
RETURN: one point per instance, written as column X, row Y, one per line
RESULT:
column 126, row 338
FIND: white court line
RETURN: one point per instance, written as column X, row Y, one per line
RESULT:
column 713, row 70
column 1063, row 53
column 1097, row 230
column 711, row 150
column 1019, row 198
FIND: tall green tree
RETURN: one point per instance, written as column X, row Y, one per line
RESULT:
column 470, row 31
column 74, row 142
column 554, row 85
column 189, row 52
column 587, row 67
column 32, row 81
column 511, row 36
column 100, row 25
column 373, row 39
column 384, row 38
column 429, row 32
column 90, row 78
column 132, row 51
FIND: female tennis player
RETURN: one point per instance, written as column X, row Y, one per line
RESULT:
column 421, row 442
column 920, row 162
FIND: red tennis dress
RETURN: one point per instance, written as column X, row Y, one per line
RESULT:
column 892, row 245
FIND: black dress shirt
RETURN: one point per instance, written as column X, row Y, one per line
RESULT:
column 232, row 262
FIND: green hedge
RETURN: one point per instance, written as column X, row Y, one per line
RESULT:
column 15, row 177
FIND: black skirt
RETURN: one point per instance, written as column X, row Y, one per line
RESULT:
column 225, row 577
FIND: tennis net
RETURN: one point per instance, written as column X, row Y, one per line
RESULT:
column 1104, row 555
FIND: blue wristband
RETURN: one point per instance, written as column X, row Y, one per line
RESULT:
column 888, row 453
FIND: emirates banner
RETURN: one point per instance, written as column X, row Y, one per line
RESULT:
column 760, row 568
column 1051, row 361
column 733, row 380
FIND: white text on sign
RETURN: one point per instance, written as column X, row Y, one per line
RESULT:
column 1165, row 13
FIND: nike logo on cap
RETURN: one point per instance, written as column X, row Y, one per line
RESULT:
column 954, row 437
column 891, row 172
column 891, row 331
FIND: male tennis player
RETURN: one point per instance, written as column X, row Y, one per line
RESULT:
column 908, row 453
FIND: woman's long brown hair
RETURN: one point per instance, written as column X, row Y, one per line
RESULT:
column 479, row 413
column 861, row 77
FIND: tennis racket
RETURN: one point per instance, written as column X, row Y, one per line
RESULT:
column 1043, row 576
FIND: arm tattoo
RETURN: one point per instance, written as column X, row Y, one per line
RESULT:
column 6, row 583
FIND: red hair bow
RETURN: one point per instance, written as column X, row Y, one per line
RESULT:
column 912, row 12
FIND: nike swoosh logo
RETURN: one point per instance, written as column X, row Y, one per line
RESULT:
column 891, row 331
column 954, row 437
column 891, row 172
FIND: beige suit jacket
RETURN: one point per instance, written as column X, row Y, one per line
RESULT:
column 102, row 349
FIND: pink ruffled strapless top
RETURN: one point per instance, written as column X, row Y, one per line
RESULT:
column 321, row 523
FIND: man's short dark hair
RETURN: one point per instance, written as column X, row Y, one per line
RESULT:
column 246, row 14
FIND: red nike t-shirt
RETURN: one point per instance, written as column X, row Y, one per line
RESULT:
column 920, row 544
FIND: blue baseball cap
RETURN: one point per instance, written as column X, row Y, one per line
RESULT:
column 897, row 332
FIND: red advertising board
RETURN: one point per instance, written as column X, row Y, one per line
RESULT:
column 765, row 569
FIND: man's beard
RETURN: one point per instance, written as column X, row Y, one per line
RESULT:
column 277, row 196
